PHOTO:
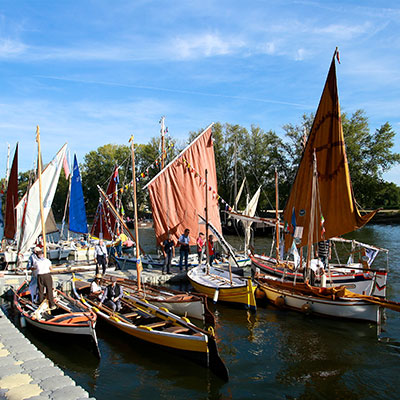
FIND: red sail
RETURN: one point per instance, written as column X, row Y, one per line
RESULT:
column 104, row 221
column 178, row 192
column 12, row 199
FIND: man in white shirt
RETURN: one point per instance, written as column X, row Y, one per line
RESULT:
column 96, row 291
column 100, row 252
column 43, row 268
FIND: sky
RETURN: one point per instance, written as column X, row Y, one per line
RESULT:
column 91, row 73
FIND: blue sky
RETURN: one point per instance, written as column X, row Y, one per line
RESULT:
column 94, row 72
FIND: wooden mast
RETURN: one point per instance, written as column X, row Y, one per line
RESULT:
column 40, row 192
column 162, row 141
column 138, row 260
column 206, row 215
column 277, row 216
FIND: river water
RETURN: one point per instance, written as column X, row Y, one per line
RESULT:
column 272, row 354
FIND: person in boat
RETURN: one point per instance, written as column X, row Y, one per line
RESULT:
column 211, row 250
column 324, row 252
column 168, row 249
column 45, row 281
column 100, row 253
column 183, row 242
column 96, row 291
column 33, row 285
column 112, row 295
column 201, row 246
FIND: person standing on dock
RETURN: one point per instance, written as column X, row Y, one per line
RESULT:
column 168, row 250
column 100, row 252
column 45, row 281
column 183, row 242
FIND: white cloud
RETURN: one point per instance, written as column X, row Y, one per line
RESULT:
column 204, row 45
column 11, row 48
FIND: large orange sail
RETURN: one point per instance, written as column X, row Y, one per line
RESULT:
column 12, row 199
column 177, row 193
column 336, row 213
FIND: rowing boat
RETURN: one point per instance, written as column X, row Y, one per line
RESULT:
column 70, row 317
column 158, row 326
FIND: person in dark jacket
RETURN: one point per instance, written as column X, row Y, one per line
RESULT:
column 112, row 295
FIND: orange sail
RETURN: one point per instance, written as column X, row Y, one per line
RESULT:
column 177, row 193
column 337, row 212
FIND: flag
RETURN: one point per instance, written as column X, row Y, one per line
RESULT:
column 337, row 55
column 66, row 167
column 293, row 223
column 322, row 227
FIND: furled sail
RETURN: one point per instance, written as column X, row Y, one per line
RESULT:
column 31, row 219
column 12, row 199
column 337, row 213
column 77, row 210
column 177, row 193
column 104, row 222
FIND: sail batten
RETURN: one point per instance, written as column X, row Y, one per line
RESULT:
column 337, row 213
column 177, row 192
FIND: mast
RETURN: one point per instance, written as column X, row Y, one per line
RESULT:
column 8, row 164
column 40, row 192
column 162, row 141
column 312, row 211
column 206, row 215
column 277, row 216
column 138, row 261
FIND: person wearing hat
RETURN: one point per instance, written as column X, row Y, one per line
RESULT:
column 45, row 281
column 96, row 291
column 33, row 286
column 112, row 295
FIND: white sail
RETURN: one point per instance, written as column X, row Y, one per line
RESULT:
column 250, row 211
column 29, row 225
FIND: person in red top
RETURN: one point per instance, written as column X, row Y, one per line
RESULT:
column 211, row 252
column 201, row 242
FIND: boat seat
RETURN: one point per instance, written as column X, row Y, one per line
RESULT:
column 158, row 324
column 177, row 329
column 130, row 315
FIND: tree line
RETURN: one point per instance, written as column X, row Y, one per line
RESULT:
column 241, row 153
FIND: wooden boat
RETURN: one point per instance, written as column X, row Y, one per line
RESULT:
column 70, row 317
column 157, row 326
column 307, row 299
column 219, row 285
column 336, row 302
column 182, row 303
column 359, row 277
column 321, row 206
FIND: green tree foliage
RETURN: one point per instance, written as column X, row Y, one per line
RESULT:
column 240, row 153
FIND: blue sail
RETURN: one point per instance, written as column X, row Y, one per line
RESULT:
column 77, row 210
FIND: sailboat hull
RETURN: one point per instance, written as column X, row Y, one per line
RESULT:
column 371, row 283
column 218, row 286
column 339, row 308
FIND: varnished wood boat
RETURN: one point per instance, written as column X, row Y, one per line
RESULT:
column 192, row 305
column 158, row 326
column 70, row 317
